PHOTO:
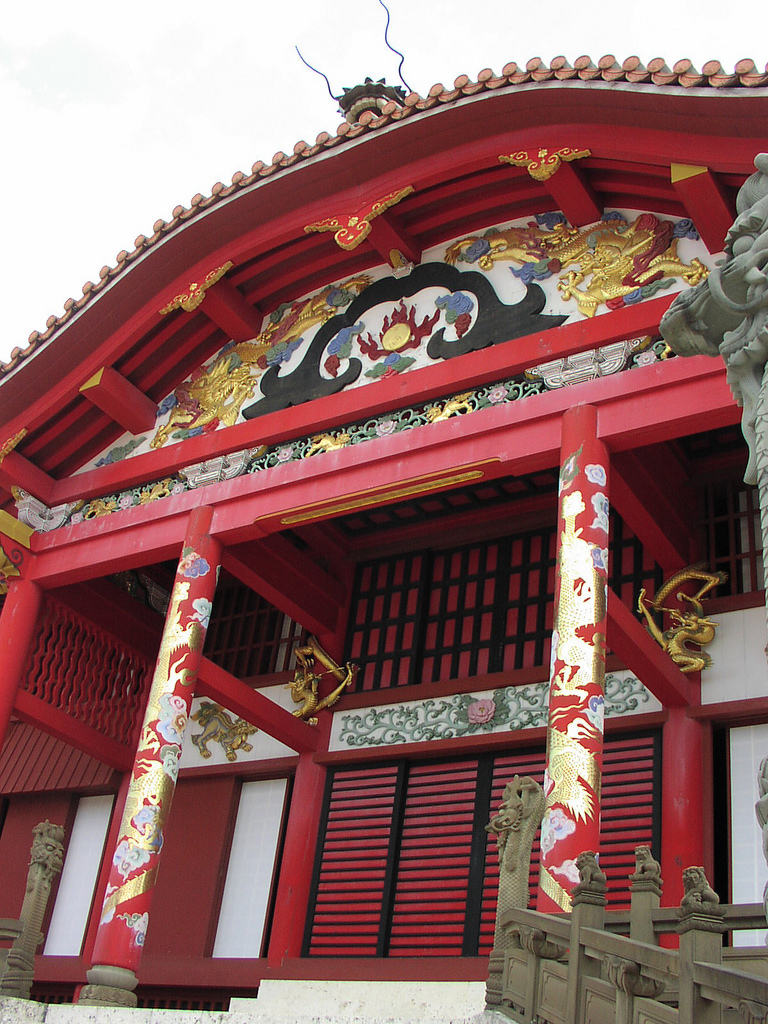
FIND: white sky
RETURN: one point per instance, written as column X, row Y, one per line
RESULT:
column 114, row 113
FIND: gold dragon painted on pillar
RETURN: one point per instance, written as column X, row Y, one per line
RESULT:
column 690, row 626
column 611, row 259
column 306, row 680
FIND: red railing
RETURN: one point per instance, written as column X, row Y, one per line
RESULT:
column 82, row 670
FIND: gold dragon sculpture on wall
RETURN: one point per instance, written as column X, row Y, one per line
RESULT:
column 688, row 626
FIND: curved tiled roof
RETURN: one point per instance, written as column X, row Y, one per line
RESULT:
column 682, row 75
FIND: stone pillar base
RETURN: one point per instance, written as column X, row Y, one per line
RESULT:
column 109, row 986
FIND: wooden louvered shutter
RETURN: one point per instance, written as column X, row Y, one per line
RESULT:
column 434, row 865
column 630, row 808
column 352, row 877
column 406, row 868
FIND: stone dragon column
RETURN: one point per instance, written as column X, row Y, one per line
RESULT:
column 727, row 315
column 46, row 860
column 577, row 673
column 136, row 858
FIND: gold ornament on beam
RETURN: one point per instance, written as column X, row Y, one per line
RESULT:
column 306, row 679
column 352, row 229
column 7, row 571
column 195, row 293
column 541, row 163
column 687, row 626
column 8, row 446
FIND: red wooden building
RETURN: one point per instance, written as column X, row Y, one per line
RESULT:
column 343, row 378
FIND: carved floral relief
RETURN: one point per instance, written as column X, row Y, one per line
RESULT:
column 464, row 714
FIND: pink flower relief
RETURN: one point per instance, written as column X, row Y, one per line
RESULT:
column 497, row 394
column 481, row 711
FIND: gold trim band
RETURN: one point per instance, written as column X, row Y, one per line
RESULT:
column 374, row 495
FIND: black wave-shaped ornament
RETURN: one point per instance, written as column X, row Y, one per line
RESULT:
column 496, row 322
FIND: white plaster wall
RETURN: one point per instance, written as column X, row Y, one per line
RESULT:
column 739, row 667
column 78, row 877
column 264, row 746
column 749, row 746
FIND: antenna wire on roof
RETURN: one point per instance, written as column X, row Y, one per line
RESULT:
column 391, row 47
column 328, row 84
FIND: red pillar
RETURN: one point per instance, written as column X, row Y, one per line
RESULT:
column 292, row 899
column 18, row 628
column 571, row 822
column 136, row 858
column 685, row 800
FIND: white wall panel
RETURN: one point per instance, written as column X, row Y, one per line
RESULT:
column 739, row 668
column 249, row 875
column 78, row 878
column 748, row 868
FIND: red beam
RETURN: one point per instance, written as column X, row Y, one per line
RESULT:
column 573, row 194
column 122, row 401
column 254, row 707
column 16, row 471
column 445, row 378
column 231, row 311
column 78, row 735
column 643, row 656
column 646, row 509
column 388, row 233
column 125, row 619
column 707, row 204
column 664, row 400
column 290, row 580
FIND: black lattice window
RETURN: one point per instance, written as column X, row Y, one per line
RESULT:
column 405, row 867
column 384, row 634
column 526, row 600
column 729, row 528
column 248, row 636
column 488, row 607
column 459, row 614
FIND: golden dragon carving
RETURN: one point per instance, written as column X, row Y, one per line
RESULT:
column 688, row 626
column 305, row 682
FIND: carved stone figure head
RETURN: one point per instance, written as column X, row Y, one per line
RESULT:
column 47, row 846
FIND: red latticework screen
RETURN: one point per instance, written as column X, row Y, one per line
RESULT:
column 434, row 615
column 405, row 867
column 729, row 529
column 247, row 635
column 82, row 670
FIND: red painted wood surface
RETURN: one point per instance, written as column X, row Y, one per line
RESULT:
column 666, row 400
column 577, row 671
column 431, row 853
column 195, row 850
column 34, row 761
column 136, row 858
column 684, row 791
column 18, row 627
column 291, row 901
